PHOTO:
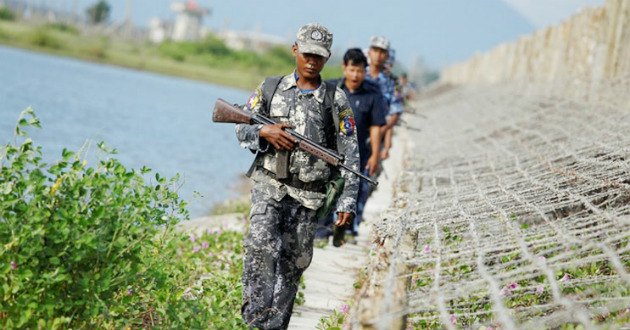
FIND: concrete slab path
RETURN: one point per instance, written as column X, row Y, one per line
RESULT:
column 329, row 280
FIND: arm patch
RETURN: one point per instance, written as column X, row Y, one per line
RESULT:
column 346, row 122
column 254, row 99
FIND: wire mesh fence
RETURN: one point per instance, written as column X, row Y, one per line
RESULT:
column 518, row 201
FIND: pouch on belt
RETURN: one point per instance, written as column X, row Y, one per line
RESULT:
column 333, row 191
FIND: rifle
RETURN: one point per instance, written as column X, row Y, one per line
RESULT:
column 409, row 126
column 225, row 112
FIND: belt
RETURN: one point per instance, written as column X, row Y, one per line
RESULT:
column 293, row 181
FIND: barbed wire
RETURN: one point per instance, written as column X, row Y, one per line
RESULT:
column 519, row 195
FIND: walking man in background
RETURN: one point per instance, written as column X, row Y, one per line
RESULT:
column 279, row 245
column 368, row 106
column 378, row 55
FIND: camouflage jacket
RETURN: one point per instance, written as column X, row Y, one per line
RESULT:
column 388, row 88
column 304, row 111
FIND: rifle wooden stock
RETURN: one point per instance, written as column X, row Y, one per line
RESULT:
column 313, row 150
column 224, row 112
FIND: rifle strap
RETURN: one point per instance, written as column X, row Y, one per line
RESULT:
column 329, row 104
column 268, row 89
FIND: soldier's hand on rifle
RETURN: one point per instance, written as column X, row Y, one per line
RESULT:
column 344, row 218
column 276, row 135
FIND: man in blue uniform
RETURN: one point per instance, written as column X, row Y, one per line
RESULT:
column 368, row 107
column 378, row 55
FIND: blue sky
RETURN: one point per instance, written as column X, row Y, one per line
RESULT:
column 439, row 32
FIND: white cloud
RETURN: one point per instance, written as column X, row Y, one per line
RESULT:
column 542, row 13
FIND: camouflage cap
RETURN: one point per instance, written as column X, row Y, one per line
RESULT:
column 314, row 38
column 379, row 42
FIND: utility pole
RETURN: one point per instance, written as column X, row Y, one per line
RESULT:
column 20, row 9
column 128, row 27
column 51, row 17
column 73, row 13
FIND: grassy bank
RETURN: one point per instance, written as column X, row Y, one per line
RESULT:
column 208, row 60
column 93, row 246
column 97, row 246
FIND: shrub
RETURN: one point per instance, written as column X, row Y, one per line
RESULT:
column 96, row 51
column 173, row 50
column 43, row 38
column 63, row 28
column 213, row 52
column 332, row 71
column 94, row 248
column 212, row 45
column 282, row 54
column 3, row 35
column 6, row 14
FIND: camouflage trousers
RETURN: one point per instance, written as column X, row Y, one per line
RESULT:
column 278, row 248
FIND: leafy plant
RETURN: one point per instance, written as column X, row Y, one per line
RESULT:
column 6, row 14
column 94, row 247
column 299, row 297
column 336, row 320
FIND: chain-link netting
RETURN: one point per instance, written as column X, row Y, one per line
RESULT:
column 519, row 202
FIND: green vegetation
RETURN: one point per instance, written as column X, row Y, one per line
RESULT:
column 42, row 38
column 6, row 14
column 99, row 12
column 95, row 248
column 336, row 320
column 208, row 60
column 62, row 27
column 213, row 52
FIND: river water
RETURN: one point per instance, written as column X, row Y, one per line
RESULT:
column 157, row 121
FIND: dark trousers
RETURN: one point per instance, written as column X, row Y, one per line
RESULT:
column 278, row 248
column 364, row 193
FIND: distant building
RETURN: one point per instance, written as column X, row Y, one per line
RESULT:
column 187, row 25
column 159, row 30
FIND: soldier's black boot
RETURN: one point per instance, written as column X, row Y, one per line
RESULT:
column 338, row 235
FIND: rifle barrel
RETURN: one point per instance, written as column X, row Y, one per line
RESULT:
column 359, row 174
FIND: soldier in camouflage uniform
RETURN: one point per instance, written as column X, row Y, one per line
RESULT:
column 279, row 245
column 379, row 54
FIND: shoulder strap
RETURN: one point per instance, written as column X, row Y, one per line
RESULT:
column 268, row 89
column 329, row 105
